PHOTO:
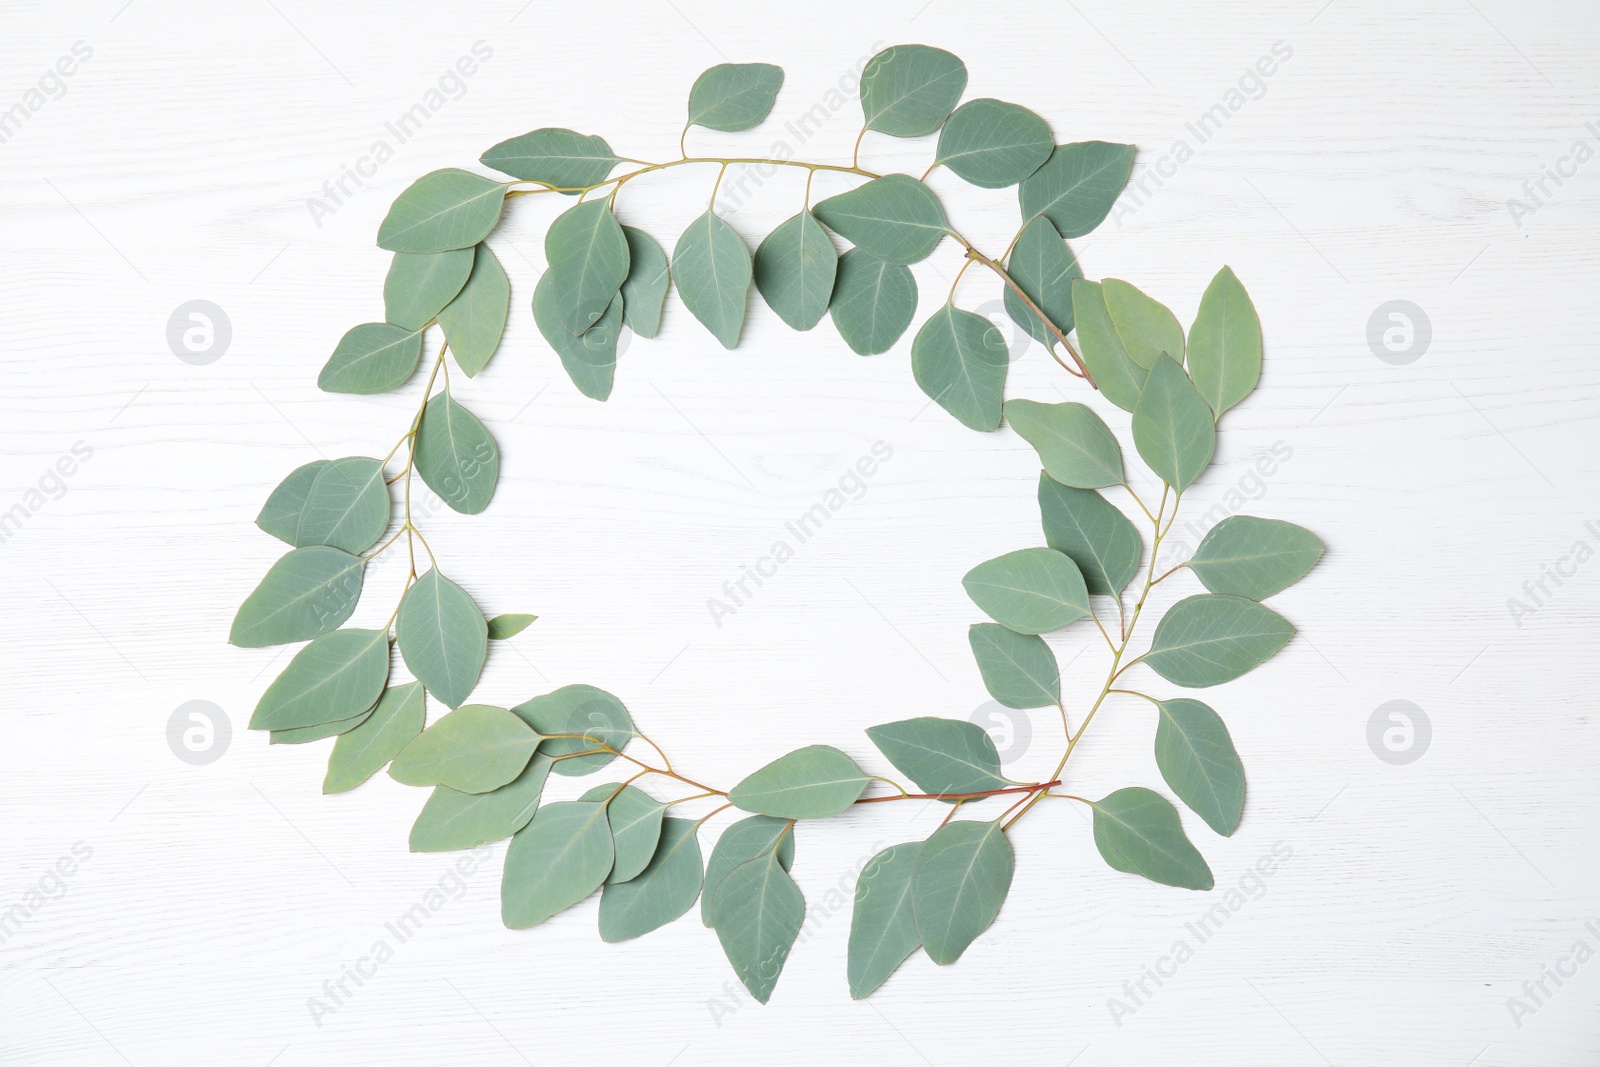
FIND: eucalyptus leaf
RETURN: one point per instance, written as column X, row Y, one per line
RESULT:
column 308, row 592
column 909, row 90
column 993, row 144
column 635, row 820
column 348, row 506
column 1031, row 591
column 663, row 891
column 588, row 255
column 941, row 756
column 795, row 268
column 371, row 358
column 455, row 456
column 1077, row 185
column 959, row 359
column 560, row 857
column 1198, row 761
column 590, row 360
column 713, row 272
column 1093, row 532
column 1146, row 328
column 644, row 290
column 1138, row 832
column 280, row 515
column 894, row 218
column 1117, row 376
column 561, row 159
column 302, row 735
column 814, row 782
column 1172, row 426
column 734, row 96
column 757, row 913
column 1044, row 267
column 1225, row 343
column 502, row 627
column 473, row 749
column 452, row 820
column 883, row 927
column 1019, row 670
column 746, row 840
column 442, row 210
column 873, row 302
column 1209, row 639
column 1253, row 557
column 337, row 676
column 594, row 713
column 442, row 636
column 1075, row 445
column 362, row 752
column 962, row 875
column 475, row 320
column 420, row 284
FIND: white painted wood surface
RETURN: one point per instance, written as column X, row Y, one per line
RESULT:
column 1376, row 163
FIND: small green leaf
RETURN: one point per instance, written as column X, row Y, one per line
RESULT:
column 1210, row 639
column 502, row 627
column 644, row 291
column 713, row 271
column 420, row 284
column 895, row 218
column 959, row 359
column 1253, row 557
column 883, row 928
column 1225, row 343
column 362, row 752
column 455, row 456
column 1147, row 329
column 453, row 820
column 1117, row 376
column 1075, row 445
column 795, row 269
column 993, row 144
column 280, row 515
column 941, row 756
column 1138, row 832
column 440, row 211
column 1031, row 591
column 1198, row 761
column 473, row 749
column 734, row 96
column 962, row 875
column 475, row 320
column 443, row 637
column 337, row 676
column 588, row 255
column 663, row 891
column 348, row 506
column 1172, row 426
column 809, row 783
column 590, row 360
column 635, row 820
column 757, row 914
column 746, row 840
column 594, row 713
column 560, row 857
column 1077, row 185
column 873, row 302
column 1044, row 267
column 910, row 89
column 371, row 358
column 1019, row 670
column 308, row 592
column 561, row 159
column 301, row 735
column 1097, row 536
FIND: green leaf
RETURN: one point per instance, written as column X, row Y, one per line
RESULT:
column 1253, row 557
column 712, row 268
column 588, row 255
column 502, row 627
column 1077, row 185
column 959, row 359
column 308, row 592
column 371, row 358
column 1225, row 343
column 942, row 756
column 873, row 302
column 475, row 320
column 590, row 360
column 993, row 144
column 663, row 891
column 362, row 752
column 348, row 506
column 1075, row 445
column 1172, row 426
column 1138, row 832
column 883, row 929
column 337, row 676
column 1198, row 761
column 560, row 857
column 561, row 159
column 795, row 269
column 1091, row 530
column 1146, row 328
column 962, row 875
column 1019, row 670
column 1212, row 638
column 910, row 89
column 746, row 840
column 579, row 709
column 635, row 819
column 301, row 735
column 1119, row 378
column 440, row 211
column 757, row 914
column 473, row 749
column 420, row 284
column 734, row 96
column 809, row 783
column 443, row 637
column 453, row 820
column 455, row 456
column 644, row 291
column 1031, row 591
column 895, row 218
column 280, row 515
column 1044, row 267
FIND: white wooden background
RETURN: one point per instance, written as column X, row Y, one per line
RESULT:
column 1375, row 164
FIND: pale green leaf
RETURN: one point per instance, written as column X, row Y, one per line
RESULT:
column 809, row 783
column 635, row 820
column 348, row 506
column 561, row 159
column 883, row 928
column 1147, row 329
column 663, row 891
column 308, row 592
column 712, row 268
column 509, row 625
column 734, row 96
column 420, row 284
column 910, row 89
column 895, row 218
column 1077, row 185
column 795, row 269
column 455, row 456
column 1119, row 378
column 453, row 820
column 959, row 359
column 1253, row 557
column 757, row 913
column 1198, row 761
column 560, row 857
column 588, row 255
column 644, row 291
column 371, row 358
column 746, row 840
column 594, row 714
column 1044, row 267
column 873, row 302
column 1075, row 445
column 1209, row 639
column 473, row 749
column 1093, row 532
column 1138, row 832
column 337, row 676
column 941, row 756
column 1172, row 426
column 1031, row 591
column 442, row 210
column 1019, row 670
column 360, row 753
column 1225, row 343
column 962, row 875
column 280, row 515
column 475, row 320
column 443, row 637
column 301, row 735
column 590, row 359
column 993, row 144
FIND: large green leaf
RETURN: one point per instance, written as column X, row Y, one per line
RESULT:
column 734, row 96
column 453, row 820
column 337, row 676
column 1253, row 557
column 1198, row 761
column 757, row 913
column 962, row 875
column 443, row 637
column 883, row 929
column 746, row 840
column 280, row 515
column 795, row 269
column 1209, row 639
column 590, row 359
column 308, row 592
column 1172, row 426
column 663, row 891
column 442, row 210
column 1225, row 343
column 588, row 255
column 994, row 144
column 301, row 735
column 644, row 291
column 420, row 284
column 348, row 506
column 560, row 857
column 910, row 89
column 1119, row 378
column 363, row 751
column 1031, row 591
column 475, row 320
column 895, row 218
column 1138, row 832
column 1147, row 329
column 1044, row 267
column 1091, row 530
column 1077, row 185
column 455, row 455
column 1075, row 445
column 959, row 359
column 873, row 302
column 473, row 749
column 555, row 157
column 635, row 819
column 371, row 358
column 594, row 713
column 809, row 783
column 943, row 756
column 712, row 269
column 1019, row 670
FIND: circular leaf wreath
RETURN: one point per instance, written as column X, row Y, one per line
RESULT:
column 488, row 766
